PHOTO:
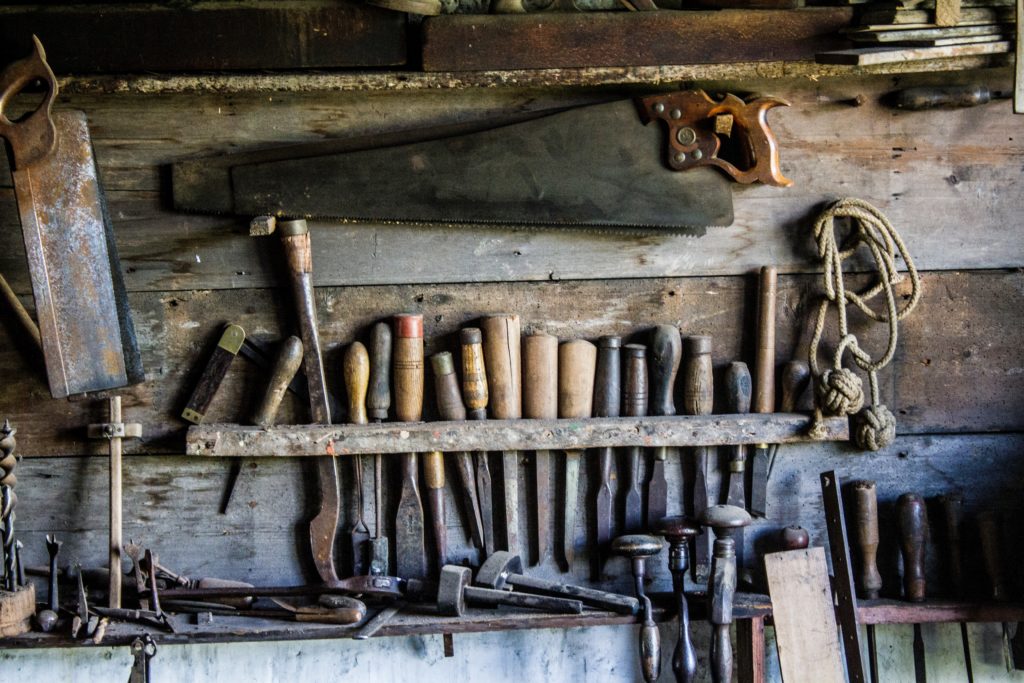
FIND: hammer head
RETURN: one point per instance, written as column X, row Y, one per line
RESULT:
column 451, row 590
column 495, row 570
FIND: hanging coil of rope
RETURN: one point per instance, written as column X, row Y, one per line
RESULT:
column 838, row 389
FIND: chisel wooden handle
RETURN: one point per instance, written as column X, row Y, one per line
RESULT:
column 503, row 361
column 952, row 504
column 764, row 366
column 634, row 404
column 474, row 375
column 794, row 538
column 988, row 535
column 289, row 358
column 913, row 525
column 795, row 376
column 356, row 371
column 577, row 364
column 664, row 355
column 407, row 367
column 433, row 477
column 540, row 402
column 698, row 381
column 865, row 532
column 378, row 400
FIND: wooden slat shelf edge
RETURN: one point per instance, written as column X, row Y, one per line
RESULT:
column 937, row 611
column 667, row 76
column 232, row 440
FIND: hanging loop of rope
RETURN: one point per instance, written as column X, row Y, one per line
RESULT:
column 838, row 389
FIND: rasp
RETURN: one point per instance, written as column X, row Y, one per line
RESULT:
column 598, row 167
column 87, row 334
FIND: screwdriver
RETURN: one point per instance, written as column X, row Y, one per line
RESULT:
column 474, row 395
column 378, row 401
column 698, row 399
column 540, row 402
column 634, row 404
column 356, row 372
column 607, row 403
column 577, row 361
column 664, row 355
column 407, row 363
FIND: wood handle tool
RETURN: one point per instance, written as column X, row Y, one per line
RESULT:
column 213, row 374
column 951, row 504
column 356, row 371
column 607, row 403
column 698, row 399
column 678, row 531
column 454, row 593
column 450, row 407
column 299, row 258
column 737, row 402
column 634, row 404
column 504, row 387
column 664, row 355
column 638, row 548
column 407, row 370
column 474, row 395
column 577, row 363
column 869, row 581
column 764, row 384
column 378, row 402
column 540, row 402
column 724, row 521
column 913, row 527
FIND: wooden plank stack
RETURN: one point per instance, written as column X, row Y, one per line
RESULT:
column 909, row 30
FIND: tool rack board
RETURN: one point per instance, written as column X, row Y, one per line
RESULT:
column 950, row 181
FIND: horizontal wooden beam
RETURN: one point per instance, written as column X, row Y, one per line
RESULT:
column 937, row 612
column 231, row 440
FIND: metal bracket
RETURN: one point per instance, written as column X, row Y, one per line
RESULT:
column 143, row 649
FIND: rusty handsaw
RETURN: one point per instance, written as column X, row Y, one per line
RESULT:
column 81, row 305
column 598, row 167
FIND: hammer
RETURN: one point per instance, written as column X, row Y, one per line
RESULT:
column 454, row 593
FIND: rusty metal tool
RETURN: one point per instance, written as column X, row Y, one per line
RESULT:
column 607, row 403
column 737, row 401
column 378, row 621
column 298, row 255
column 869, row 581
column 8, row 501
column 114, row 430
column 213, row 374
column 724, row 521
column 842, row 569
column 764, row 384
column 356, row 371
column 454, row 592
column 386, row 587
column 82, row 308
column 664, row 355
column 951, row 504
column 540, row 402
column 678, row 531
column 504, row 387
column 474, row 395
column 577, row 361
column 47, row 618
column 504, row 571
column 450, row 407
column 912, row 519
column 407, row 371
column 433, row 477
column 634, row 404
column 378, row 401
column 698, row 399
column 638, row 548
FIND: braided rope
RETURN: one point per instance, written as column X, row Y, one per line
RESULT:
column 839, row 390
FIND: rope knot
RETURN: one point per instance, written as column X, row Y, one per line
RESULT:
column 874, row 428
column 840, row 392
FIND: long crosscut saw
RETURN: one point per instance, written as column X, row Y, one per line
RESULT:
column 600, row 167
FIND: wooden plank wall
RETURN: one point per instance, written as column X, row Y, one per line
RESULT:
column 949, row 180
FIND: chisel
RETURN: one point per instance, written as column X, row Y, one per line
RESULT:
column 407, row 371
column 988, row 535
column 540, row 402
column 577, row 361
column 356, row 372
column 607, row 403
column 664, row 355
column 634, row 404
column 504, row 387
column 764, row 384
column 865, row 531
column 698, row 399
column 913, row 528
column 474, row 395
column 952, row 504
column 737, row 402
column 378, row 401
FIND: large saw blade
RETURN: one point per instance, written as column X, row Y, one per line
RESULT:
column 596, row 166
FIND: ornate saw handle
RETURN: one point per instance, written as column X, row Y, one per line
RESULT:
column 33, row 136
column 697, row 124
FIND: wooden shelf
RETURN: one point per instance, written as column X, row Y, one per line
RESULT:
column 937, row 611
column 218, row 440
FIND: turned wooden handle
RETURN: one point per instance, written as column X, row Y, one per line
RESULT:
column 288, row 361
column 407, row 367
column 298, row 250
column 764, row 367
column 634, row 388
column 737, row 388
column 378, row 400
column 504, row 368
column 433, row 469
column 952, row 505
column 540, row 376
column 865, row 531
column 607, row 380
column 698, row 381
column 474, row 375
column 577, row 365
column 795, row 375
column 446, row 387
column 356, row 370
column 913, row 524
column 988, row 534
column 665, row 352
column 794, row 538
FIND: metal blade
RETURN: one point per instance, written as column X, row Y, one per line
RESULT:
column 604, row 499
column 634, row 499
column 409, row 524
column 572, row 491
column 510, row 482
column 542, row 482
column 592, row 166
column 484, row 488
column 657, row 489
column 759, row 481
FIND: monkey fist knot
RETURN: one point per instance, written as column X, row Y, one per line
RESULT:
column 840, row 392
column 875, row 428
